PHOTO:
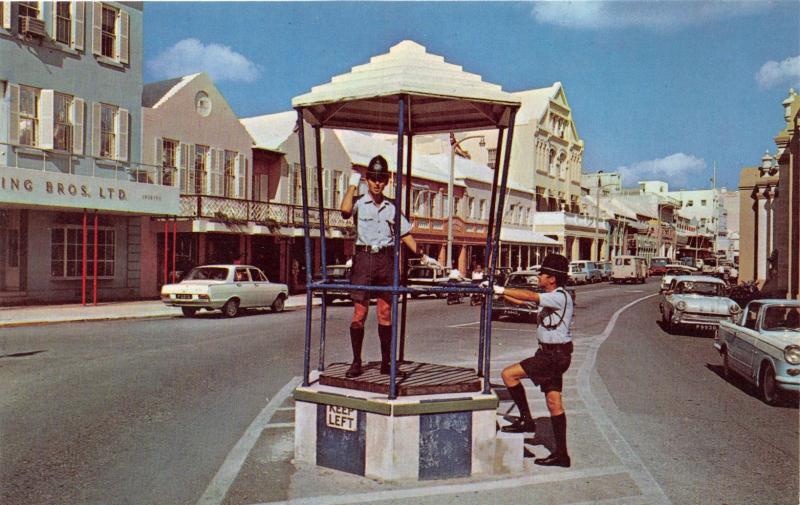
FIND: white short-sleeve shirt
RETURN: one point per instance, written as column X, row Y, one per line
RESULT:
column 555, row 317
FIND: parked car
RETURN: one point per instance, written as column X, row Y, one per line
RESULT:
column 658, row 265
column 593, row 274
column 629, row 269
column 224, row 287
column 696, row 300
column 763, row 347
column 424, row 276
column 673, row 270
column 337, row 274
column 577, row 275
column 525, row 279
column 607, row 269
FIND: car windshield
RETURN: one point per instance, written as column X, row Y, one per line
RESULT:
column 781, row 317
column 676, row 271
column 700, row 288
column 658, row 262
column 207, row 274
column 421, row 273
column 522, row 280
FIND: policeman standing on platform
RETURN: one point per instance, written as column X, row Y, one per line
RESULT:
column 373, row 263
column 547, row 366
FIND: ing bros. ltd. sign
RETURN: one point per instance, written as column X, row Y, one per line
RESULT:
column 21, row 186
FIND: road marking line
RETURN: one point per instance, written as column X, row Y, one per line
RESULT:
column 634, row 465
column 474, row 487
column 279, row 425
column 227, row 473
column 285, row 409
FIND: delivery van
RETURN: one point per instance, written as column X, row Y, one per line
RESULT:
column 631, row 269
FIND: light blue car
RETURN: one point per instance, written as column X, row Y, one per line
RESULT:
column 763, row 347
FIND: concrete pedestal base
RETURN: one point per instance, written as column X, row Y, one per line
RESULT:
column 411, row 438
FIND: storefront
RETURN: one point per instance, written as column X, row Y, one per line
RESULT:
column 72, row 238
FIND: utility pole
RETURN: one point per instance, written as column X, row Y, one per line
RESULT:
column 715, row 215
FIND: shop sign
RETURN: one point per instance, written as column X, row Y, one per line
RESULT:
column 341, row 418
column 56, row 190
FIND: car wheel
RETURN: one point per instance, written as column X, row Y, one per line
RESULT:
column 231, row 308
column 277, row 305
column 726, row 365
column 666, row 321
column 189, row 311
column 767, row 386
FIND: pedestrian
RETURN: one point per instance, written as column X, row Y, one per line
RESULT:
column 547, row 366
column 373, row 262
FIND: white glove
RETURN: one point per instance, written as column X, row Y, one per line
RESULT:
column 499, row 290
column 355, row 178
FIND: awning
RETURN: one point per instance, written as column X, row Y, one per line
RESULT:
column 515, row 235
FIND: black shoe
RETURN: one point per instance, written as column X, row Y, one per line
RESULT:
column 554, row 460
column 520, row 425
column 354, row 371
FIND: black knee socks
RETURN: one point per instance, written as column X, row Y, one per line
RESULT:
column 385, row 336
column 518, row 395
column 559, row 424
column 356, row 340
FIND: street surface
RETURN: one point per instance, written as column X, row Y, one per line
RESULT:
column 185, row 411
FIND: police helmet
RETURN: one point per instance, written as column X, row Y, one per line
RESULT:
column 378, row 169
column 556, row 265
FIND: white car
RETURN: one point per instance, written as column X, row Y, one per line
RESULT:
column 224, row 287
column 763, row 346
column 696, row 300
column 674, row 270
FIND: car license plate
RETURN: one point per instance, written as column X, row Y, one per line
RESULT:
column 183, row 297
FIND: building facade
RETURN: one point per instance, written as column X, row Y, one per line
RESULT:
column 73, row 189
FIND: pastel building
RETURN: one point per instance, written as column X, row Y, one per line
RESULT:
column 74, row 194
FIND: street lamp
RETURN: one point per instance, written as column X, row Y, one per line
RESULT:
column 597, row 215
column 450, row 200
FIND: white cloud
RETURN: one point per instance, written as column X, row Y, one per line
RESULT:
column 674, row 169
column 661, row 15
column 190, row 56
column 773, row 73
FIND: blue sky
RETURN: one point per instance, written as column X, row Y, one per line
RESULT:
column 658, row 90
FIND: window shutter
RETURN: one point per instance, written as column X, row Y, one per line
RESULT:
column 211, row 183
column 241, row 173
column 183, row 168
column 97, row 29
column 327, row 186
column 220, row 167
column 77, row 125
column 123, row 54
column 46, row 119
column 123, row 117
column 13, row 133
column 52, row 28
column 78, row 11
column 158, row 157
column 7, row 15
column 96, row 130
column 290, row 185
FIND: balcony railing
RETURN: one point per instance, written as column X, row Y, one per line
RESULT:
column 235, row 210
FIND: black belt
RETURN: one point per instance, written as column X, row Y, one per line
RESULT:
column 565, row 347
column 374, row 250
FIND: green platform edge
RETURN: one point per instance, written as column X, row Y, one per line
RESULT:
column 387, row 408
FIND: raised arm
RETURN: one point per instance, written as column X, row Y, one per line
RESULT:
column 347, row 202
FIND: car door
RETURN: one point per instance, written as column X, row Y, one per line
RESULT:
column 264, row 291
column 740, row 347
column 243, row 287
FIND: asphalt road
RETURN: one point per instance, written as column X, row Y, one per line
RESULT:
column 144, row 412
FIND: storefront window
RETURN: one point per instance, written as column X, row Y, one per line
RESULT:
column 66, row 252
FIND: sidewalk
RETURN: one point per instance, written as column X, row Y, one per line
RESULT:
column 49, row 314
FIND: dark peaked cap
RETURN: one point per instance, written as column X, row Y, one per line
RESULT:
column 555, row 264
column 378, row 166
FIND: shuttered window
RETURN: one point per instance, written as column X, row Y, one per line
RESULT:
column 200, row 169
column 63, row 22
column 169, row 161
column 28, row 115
column 108, row 132
column 229, row 174
column 62, row 122
column 108, row 35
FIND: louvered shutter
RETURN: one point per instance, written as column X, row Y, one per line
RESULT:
column 46, row 118
column 97, row 28
column 7, row 15
column 327, row 187
column 77, row 125
column 123, row 53
column 96, row 130
column 52, row 28
column 290, row 186
column 211, row 184
column 13, row 133
column 78, row 10
column 187, row 156
column 220, row 175
column 158, row 158
column 183, row 168
column 123, row 117
column 241, row 174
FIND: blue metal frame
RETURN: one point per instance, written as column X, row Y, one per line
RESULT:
column 491, row 251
